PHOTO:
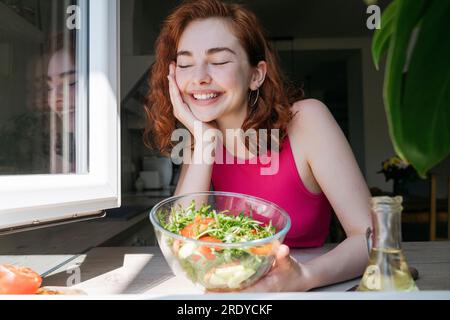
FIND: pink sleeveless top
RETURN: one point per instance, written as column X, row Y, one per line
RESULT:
column 310, row 213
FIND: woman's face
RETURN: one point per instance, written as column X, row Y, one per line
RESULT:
column 61, row 81
column 213, row 72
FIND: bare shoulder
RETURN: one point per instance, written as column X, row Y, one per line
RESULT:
column 311, row 116
column 310, row 109
column 316, row 137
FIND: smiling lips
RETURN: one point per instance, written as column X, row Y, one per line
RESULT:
column 205, row 97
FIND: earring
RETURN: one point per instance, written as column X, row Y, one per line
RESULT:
column 257, row 97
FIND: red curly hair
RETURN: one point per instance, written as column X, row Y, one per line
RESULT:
column 272, row 110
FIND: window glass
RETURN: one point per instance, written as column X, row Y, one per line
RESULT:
column 43, row 88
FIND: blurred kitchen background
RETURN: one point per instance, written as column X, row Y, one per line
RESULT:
column 324, row 47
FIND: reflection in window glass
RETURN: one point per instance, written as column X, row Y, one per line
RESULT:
column 43, row 105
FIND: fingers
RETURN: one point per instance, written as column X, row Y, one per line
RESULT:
column 282, row 257
column 283, row 252
column 171, row 75
column 269, row 283
column 260, row 286
column 175, row 93
column 181, row 110
column 172, row 69
column 173, row 88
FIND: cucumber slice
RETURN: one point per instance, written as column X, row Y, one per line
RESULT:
column 227, row 272
column 231, row 276
column 217, row 281
column 186, row 250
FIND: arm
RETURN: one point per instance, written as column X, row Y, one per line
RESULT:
column 196, row 171
column 336, row 172
column 194, row 178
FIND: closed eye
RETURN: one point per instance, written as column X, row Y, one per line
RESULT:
column 221, row 63
column 215, row 64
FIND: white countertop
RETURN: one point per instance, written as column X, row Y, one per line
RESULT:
column 142, row 272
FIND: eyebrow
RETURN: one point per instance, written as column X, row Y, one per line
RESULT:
column 63, row 74
column 208, row 52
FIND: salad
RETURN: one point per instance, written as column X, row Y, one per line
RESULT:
column 217, row 267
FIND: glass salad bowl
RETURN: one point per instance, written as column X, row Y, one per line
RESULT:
column 220, row 241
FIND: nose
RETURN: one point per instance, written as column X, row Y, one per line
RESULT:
column 56, row 89
column 59, row 91
column 201, row 75
column 56, row 95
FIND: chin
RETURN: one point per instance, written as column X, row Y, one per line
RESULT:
column 206, row 115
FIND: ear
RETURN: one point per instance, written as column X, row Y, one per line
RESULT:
column 258, row 76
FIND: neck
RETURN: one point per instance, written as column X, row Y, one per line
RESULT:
column 234, row 122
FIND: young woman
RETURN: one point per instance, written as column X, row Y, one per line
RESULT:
column 61, row 93
column 214, row 69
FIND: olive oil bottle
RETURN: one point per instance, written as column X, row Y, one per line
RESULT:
column 387, row 269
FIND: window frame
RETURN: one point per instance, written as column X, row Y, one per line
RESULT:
column 39, row 200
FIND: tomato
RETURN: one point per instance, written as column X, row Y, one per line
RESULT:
column 263, row 250
column 205, row 252
column 197, row 227
column 212, row 239
column 17, row 280
column 188, row 231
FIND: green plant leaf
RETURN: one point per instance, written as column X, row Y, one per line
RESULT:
column 382, row 36
column 370, row 2
column 424, row 138
column 409, row 14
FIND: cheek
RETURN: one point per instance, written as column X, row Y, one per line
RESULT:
column 51, row 99
column 225, row 78
column 73, row 100
column 233, row 78
column 182, row 79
